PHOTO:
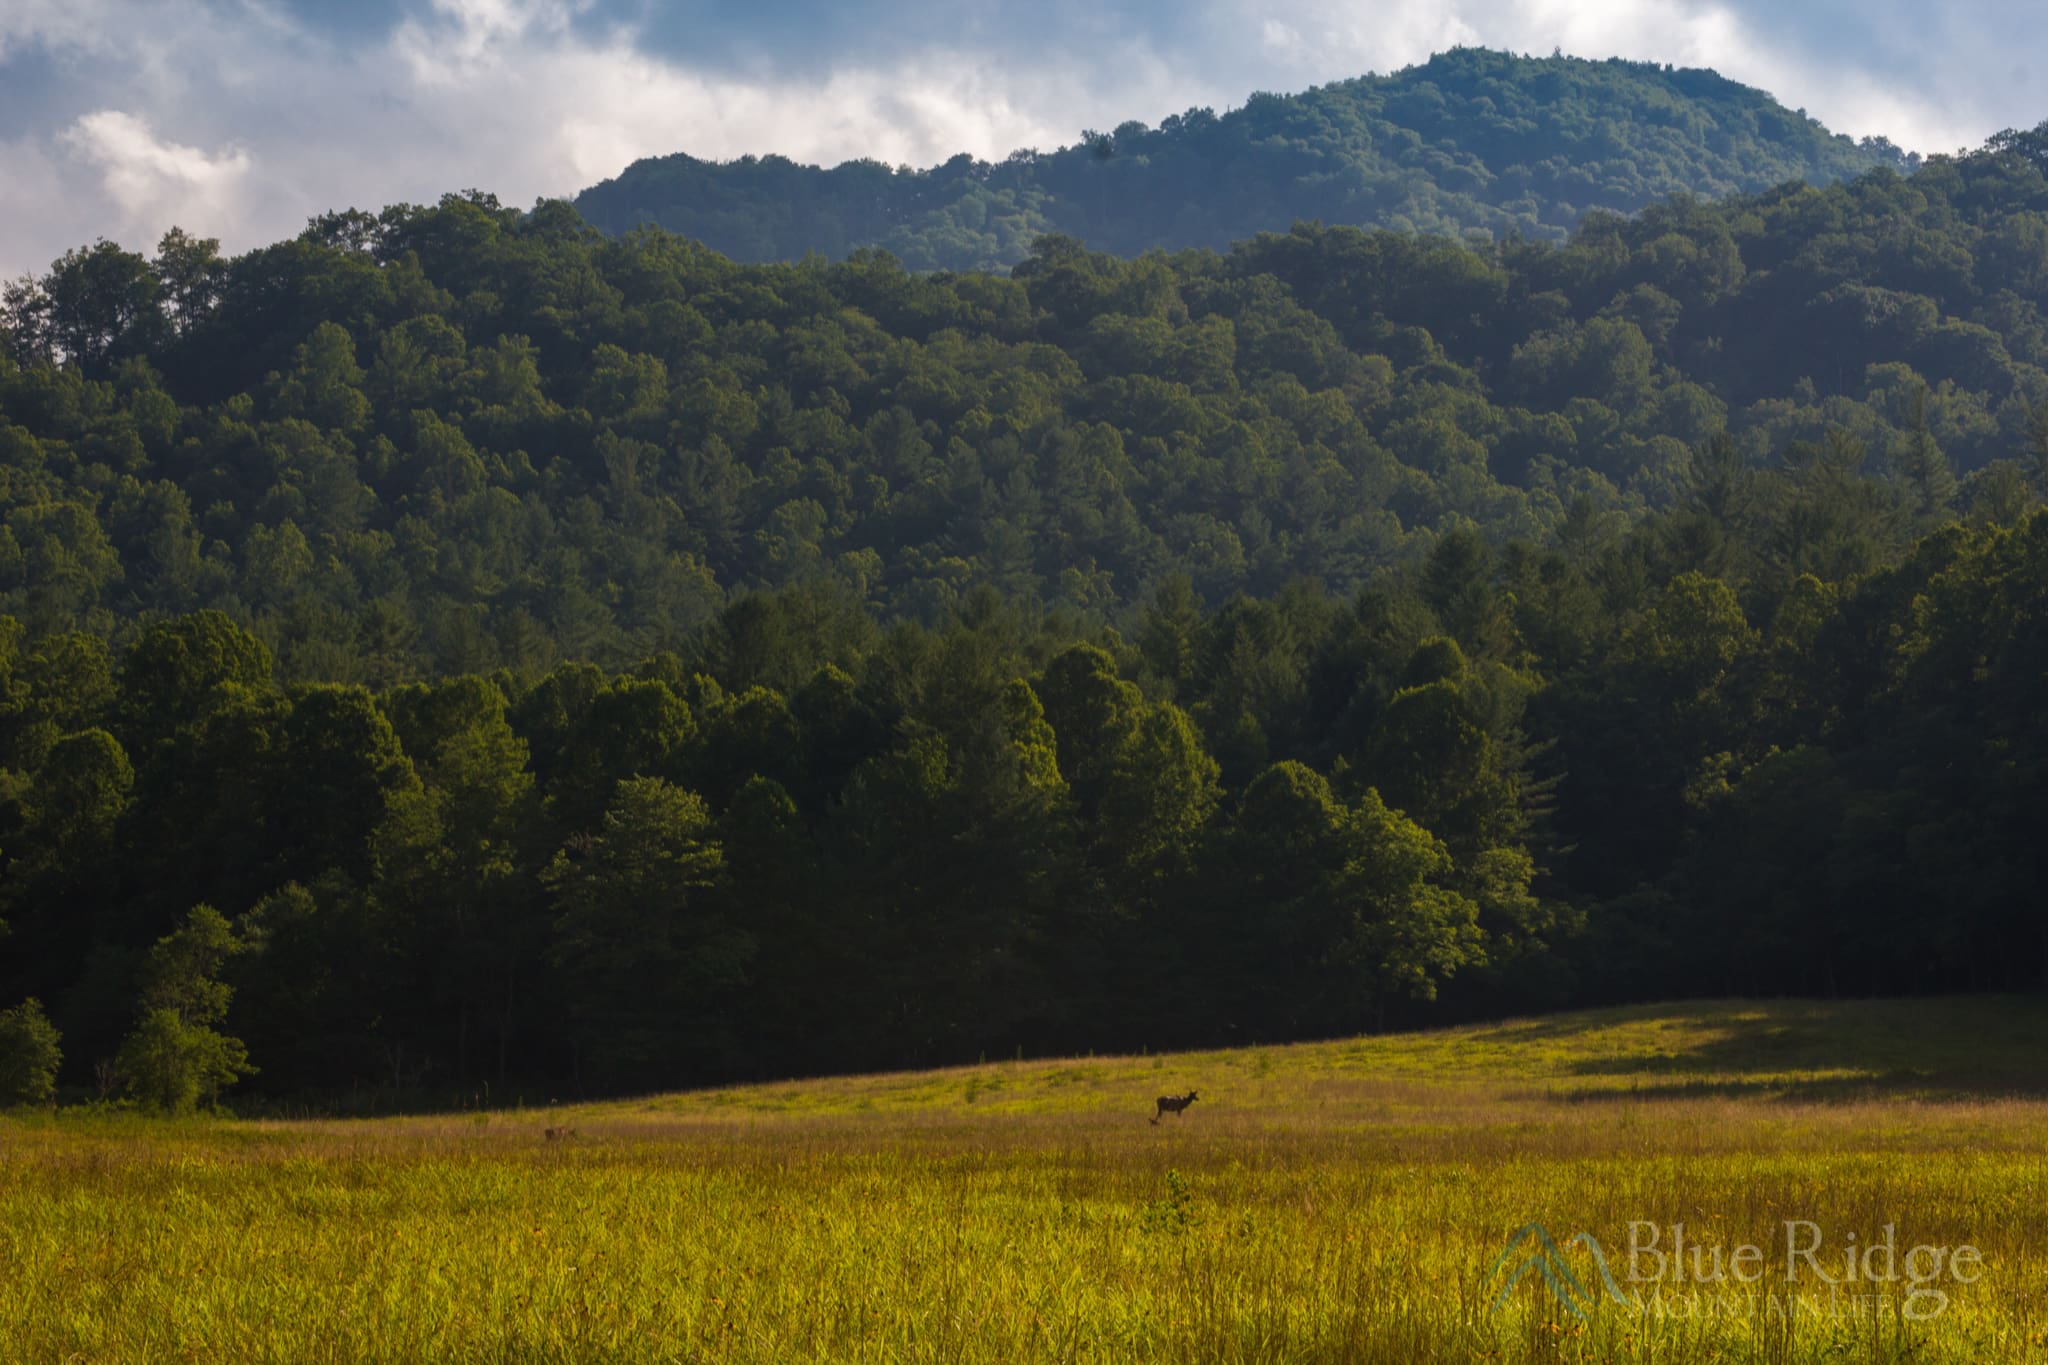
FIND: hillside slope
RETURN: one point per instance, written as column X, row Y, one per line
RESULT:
column 1928, row 1049
column 1473, row 140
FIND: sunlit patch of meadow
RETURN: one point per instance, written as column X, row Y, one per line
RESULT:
column 1338, row 1201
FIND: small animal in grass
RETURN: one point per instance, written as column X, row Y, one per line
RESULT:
column 560, row 1134
column 1173, row 1104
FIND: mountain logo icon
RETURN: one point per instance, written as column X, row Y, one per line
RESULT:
column 1533, row 1249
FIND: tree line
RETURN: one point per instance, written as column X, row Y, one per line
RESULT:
column 1507, row 779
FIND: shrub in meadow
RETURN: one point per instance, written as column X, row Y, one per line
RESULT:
column 29, row 1056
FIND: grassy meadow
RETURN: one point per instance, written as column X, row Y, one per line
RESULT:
column 1338, row 1201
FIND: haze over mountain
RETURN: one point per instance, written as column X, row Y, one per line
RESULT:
column 1471, row 141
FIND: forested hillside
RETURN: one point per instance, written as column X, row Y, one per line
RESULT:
column 1471, row 141
column 592, row 662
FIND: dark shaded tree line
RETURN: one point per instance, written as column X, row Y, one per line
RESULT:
column 980, row 838
column 815, row 841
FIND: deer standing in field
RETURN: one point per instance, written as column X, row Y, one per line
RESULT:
column 558, row 1134
column 1173, row 1104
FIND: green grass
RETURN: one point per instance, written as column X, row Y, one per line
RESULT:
column 1337, row 1201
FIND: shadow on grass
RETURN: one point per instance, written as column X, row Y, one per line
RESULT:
column 1937, row 1050
column 1901, row 1086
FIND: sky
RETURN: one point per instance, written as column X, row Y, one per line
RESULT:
column 241, row 119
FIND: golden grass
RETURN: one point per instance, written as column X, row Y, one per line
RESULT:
column 1337, row 1201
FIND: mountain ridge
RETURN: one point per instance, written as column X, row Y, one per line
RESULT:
column 1472, row 141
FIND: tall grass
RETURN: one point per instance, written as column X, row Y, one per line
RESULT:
column 1331, row 1202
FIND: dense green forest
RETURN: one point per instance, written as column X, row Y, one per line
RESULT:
column 456, row 648
column 1473, row 141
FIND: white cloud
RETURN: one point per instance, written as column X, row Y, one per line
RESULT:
column 155, row 183
column 474, row 36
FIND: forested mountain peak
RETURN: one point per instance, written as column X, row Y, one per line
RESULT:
column 1472, row 140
